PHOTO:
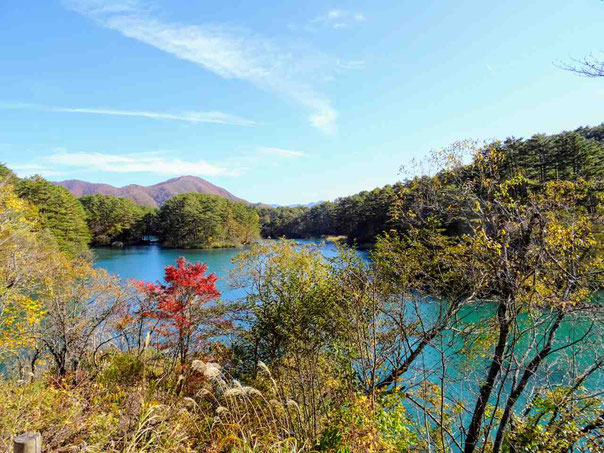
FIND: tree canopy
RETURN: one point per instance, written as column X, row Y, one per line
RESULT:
column 61, row 212
column 114, row 219
column 199, row 220
column 364, row 216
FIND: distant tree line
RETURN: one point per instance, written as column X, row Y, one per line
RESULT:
column 202, row 220
column 362, row 217
column 111, row 219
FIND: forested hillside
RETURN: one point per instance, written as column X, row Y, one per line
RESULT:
column 194, row 220
column 362, row 217
column 594, row 133
column 112, row 219
column 60, row 212
column 186, row 221
column 200, row 220
column 476, row 325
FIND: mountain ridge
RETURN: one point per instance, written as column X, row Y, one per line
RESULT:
column 154, row 195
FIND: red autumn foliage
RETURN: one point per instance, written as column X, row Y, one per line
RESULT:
column 181, row 306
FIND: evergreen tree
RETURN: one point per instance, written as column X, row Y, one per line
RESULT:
column 199, row 220
column 113, row 219
column 61, row 212
column 6, row 174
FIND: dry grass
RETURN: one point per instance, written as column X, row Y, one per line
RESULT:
column 131, row 405
column 150, row 411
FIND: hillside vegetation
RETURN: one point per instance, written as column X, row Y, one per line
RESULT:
column 199, row 220
column 112, row 219
column 186, row 221
column 362, row 217
column 190, row 220
column 59, row 211
column 477, row 325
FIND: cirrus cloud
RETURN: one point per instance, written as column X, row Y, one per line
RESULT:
column 188, row 116
column 62, row 161
column 281, row 152
column 228, row 52
column 339, row 18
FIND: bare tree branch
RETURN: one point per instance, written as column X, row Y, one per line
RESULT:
column 588, row 66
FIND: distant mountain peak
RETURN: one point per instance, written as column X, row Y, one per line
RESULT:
column 154, row 195
column 182, row 178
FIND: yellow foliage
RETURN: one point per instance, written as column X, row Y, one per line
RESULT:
column 22, row 255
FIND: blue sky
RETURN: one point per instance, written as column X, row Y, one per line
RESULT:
column 282, row 102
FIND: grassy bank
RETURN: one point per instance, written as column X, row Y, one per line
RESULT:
column 131, row 403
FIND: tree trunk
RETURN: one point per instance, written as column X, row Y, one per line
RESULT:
column 487, row 387
column 517, row 391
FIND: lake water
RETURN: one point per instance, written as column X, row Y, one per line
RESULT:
column 147, row 262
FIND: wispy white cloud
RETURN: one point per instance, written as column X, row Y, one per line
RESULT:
column 281, row 152
column 339, row 19
column 36, row 169
column 61, row 161
column 226, row 51
column 351, row 64
column 136, row 163
column 188, row 116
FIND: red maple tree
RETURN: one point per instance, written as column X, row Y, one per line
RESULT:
column 181, row 305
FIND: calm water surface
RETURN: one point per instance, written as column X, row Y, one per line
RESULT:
column 147, row 262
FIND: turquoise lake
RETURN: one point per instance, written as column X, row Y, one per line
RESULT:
column 147, row 262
